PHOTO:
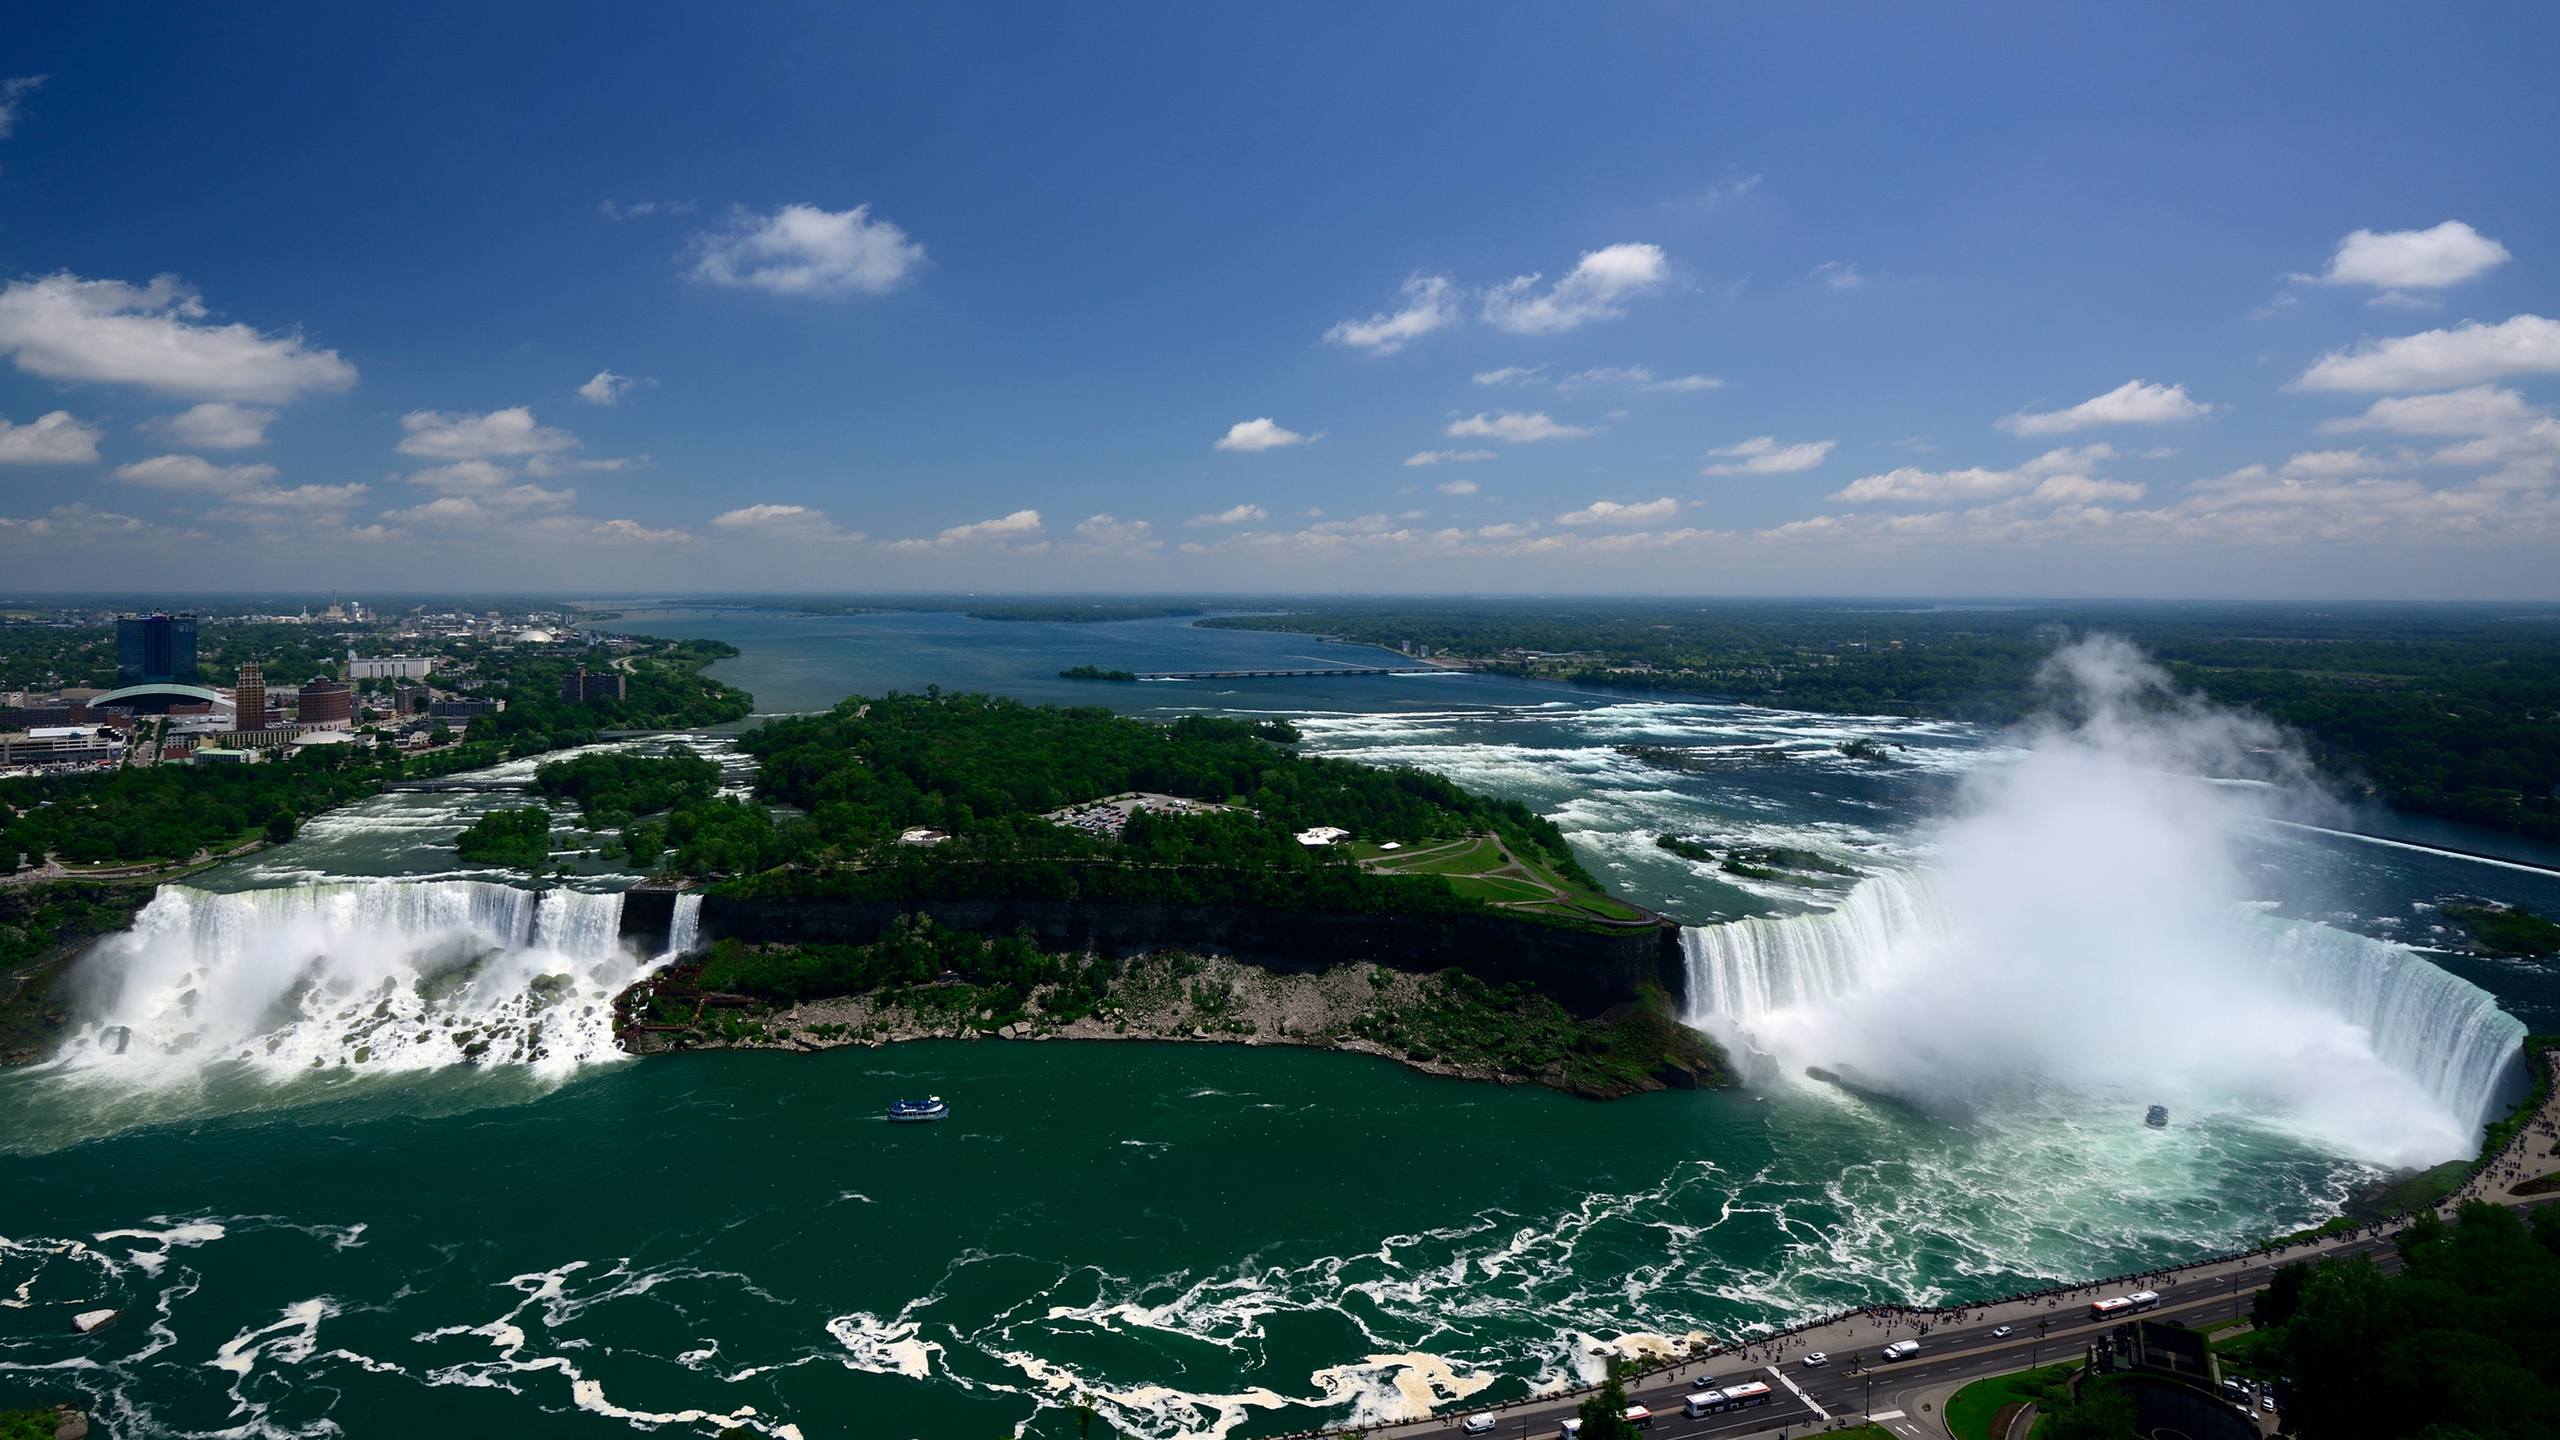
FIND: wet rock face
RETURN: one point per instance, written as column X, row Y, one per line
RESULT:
column 1585, row 971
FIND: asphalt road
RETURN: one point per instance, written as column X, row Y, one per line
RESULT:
column 1858, row 1383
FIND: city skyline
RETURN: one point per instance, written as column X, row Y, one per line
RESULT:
column 1510, row 301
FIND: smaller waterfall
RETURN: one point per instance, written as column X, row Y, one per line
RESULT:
column 684, row 928
column 364, row 976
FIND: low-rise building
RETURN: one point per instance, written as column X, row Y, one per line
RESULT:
column 389, row 667
column 60, row 745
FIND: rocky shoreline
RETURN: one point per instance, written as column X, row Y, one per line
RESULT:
column 1357, row 1007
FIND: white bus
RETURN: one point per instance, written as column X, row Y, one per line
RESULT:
column 2109, row 1309
column 2144, row 1299
column 1732, row 1397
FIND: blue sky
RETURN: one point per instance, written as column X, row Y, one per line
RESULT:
column 1685, row 299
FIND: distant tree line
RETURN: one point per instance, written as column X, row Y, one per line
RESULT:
column 2450, row 710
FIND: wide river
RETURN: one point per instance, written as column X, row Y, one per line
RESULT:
column 1218, row 1239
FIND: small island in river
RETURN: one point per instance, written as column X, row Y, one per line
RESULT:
column 962, row 865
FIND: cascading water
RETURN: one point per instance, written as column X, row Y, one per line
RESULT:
column 2384, row 1053
column 2084, row 928
column 368, row 976
column 684, row 928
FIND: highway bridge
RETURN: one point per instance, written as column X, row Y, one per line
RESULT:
column 1292, row 674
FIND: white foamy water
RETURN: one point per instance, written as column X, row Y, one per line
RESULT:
column 2084, row 927
column 363, row 976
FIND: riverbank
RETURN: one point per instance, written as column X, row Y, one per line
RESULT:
column 1447, row 1024
column 43, row 928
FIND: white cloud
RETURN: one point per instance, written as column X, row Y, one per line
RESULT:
column 1248, row 436
column 803, row 250
column 1610, row 512
column 1595, row 289
column 439, row 435
column 193, row 472
column 1683, row 384
column 1430, row 303
column 237, row 486
column 1448, row 457
column 72, row 524
column 532, row 497
column 1021, row 524
column 612, row 532
column 105, row 331
column 2082, row 490
column 608, row 388
column 1763, row 455
column 543, row 467
column 1838, row 274
column 1106, row 530
column 1639, row 377
column 53, row 438
column 11, row 92
column 1232, row 515
column 1456, row 487
column 2431, row 259
column 1510, row 375
column 464, row 477
column 790, row 522
column 443, row 510
column 300, row 497
column 2331, row 463
column 1515, row 428
column 2135, row 402
column 642, row 209
column 2467, row 354
column 1911, row 485
column 213, row 425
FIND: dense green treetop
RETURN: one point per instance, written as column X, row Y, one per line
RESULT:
column 2463, row 1343
column 611, row 787
column 518, row 839
column 985, row 775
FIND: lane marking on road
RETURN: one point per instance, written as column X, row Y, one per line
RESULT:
column 1781, row 1377
column 1883, row 1415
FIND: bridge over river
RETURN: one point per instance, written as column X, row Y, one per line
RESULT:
column 1294, row 674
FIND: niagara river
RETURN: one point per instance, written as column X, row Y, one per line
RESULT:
column 342, row 1134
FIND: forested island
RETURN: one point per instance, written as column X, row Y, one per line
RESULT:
column 1205, row 834
column 2449, row 710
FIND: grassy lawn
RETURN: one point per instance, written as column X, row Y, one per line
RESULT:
column 1973, row 1408
column 1474, row 859
column 1501, row 889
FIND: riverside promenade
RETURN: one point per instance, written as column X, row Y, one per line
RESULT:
column 1907, row 1398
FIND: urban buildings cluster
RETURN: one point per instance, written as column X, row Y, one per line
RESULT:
column 159, row 710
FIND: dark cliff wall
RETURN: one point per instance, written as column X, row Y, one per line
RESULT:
column 1586, row 971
